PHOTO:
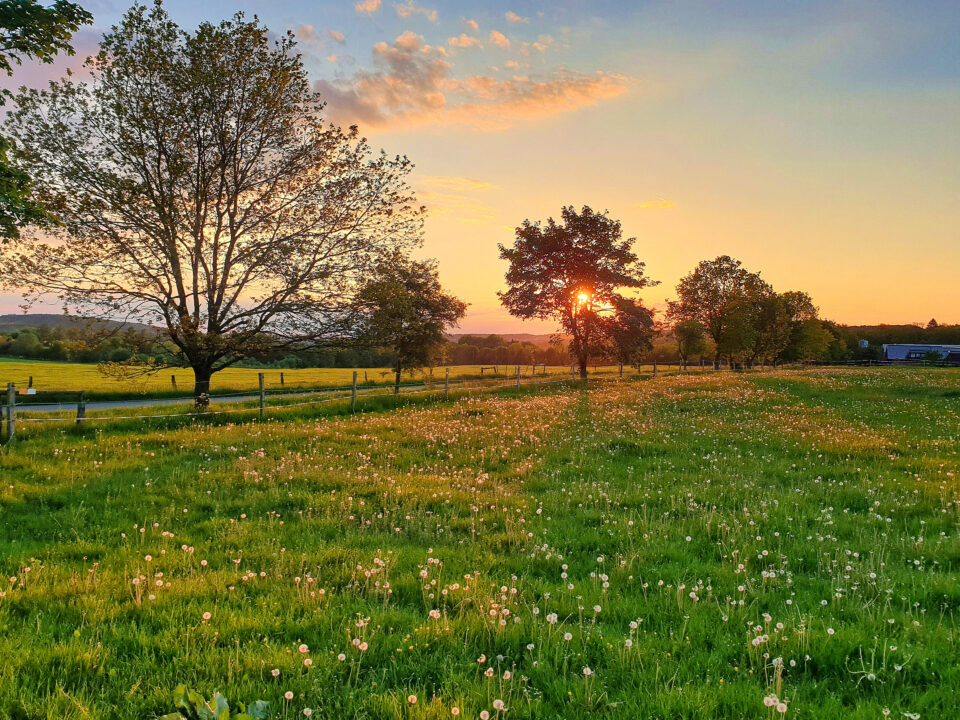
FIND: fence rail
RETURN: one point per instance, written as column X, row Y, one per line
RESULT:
column 16, row 413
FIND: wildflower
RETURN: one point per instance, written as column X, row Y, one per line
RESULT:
column 308, row 712
column 341, row 657
column 484, row 715
column 288, row 695
column 412, row 699
column 303, row 649
column 455, row 711
column 830, row 631
column 781, row 708
column 275, row 672
column 499, row 705
column 307, row 662
column 207, row 616
column 568, row 637
column 587, row 672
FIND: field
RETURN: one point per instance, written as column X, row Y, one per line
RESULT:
column 679, row 547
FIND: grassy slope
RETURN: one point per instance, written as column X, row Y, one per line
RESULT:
column 708, row 511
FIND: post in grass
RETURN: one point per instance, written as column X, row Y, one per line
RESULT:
column 11, row 411
column 260, row 379
column 446, row 386
column 518, row 377
column 81, row 407
column 353, row 393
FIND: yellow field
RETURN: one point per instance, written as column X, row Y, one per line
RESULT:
column 55, row 376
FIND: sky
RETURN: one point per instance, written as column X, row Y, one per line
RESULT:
column 818, row 142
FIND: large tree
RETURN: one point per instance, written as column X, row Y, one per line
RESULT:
column 29, row 31
column 200, row 189
column 571, row 271
column 404, row 308
column 722, row 296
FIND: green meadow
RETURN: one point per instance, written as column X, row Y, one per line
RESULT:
column 719, row 545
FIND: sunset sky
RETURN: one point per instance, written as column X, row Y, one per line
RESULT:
column 819, row 142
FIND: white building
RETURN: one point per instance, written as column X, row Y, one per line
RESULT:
column 919, row 351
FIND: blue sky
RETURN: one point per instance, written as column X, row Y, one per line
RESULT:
column 817, row 141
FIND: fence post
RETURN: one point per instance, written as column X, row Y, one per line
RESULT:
column 30, row 383
column 11, row 412
column 518, row 377
column 81, row 407
column 173, row 381
column 446, row 385
column 621, row 369
column 260, row 378
column 654, row 368
column 281, row 379
column 573, row 377
column 353, row 393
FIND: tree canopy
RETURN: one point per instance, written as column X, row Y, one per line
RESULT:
column 29, row 31
column 404, row 308
column 199, row 188
column 571, row 271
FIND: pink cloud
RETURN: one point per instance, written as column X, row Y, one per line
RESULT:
column 412, row 86
column 367, row 6
column 499, row 39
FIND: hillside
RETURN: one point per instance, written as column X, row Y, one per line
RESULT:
column 11, row 322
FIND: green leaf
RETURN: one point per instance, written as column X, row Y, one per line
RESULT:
column 260, row 710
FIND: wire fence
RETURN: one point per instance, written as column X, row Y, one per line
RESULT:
column 15, row 412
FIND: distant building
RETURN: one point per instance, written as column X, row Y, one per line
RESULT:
column 918, row 351
column 864, row 344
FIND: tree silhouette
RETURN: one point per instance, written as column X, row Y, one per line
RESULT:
column 571, row 271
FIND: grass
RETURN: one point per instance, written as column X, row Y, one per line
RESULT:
column 674, row 548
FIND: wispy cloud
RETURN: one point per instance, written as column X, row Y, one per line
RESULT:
column 514, row 18
column 336, row 36
column 410, row 8
column 412, row 86
column 655, row 205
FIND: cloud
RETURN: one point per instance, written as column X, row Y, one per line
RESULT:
column 655, row 204
column 411, row 86
column 367, row 6
column 336, row 36
column 499, row 39
column 464, row 41
column 455, row 196
column 472, row 25
column 543, row 42
column 514, row 18
column 332, row 58
column 410, row 8
column 453, row 183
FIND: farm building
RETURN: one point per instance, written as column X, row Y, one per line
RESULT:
column 919, row 351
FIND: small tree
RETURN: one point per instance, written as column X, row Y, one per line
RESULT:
column 29, row 30
column 629, row 330
column 570, row 271
column 405, row 309
column 200, row 190
column 691, row 340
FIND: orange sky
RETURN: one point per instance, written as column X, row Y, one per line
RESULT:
column 818, row 142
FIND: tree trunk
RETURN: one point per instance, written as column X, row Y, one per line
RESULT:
column 201, row 386
column 717, row 359
column 582, row 362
